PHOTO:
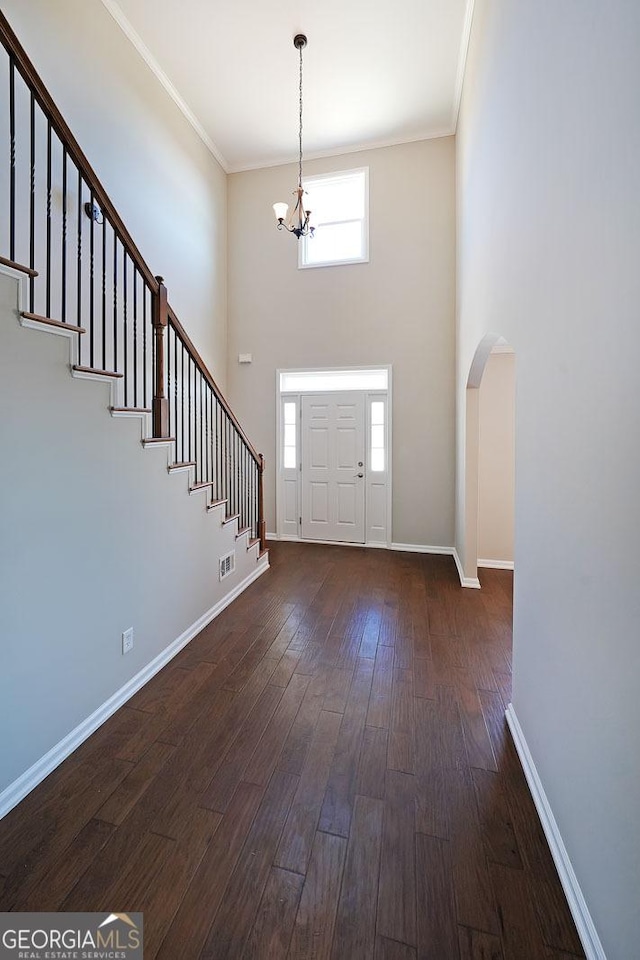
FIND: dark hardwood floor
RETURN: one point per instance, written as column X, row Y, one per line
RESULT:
column 324, row 772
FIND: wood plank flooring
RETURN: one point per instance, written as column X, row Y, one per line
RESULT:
column 324, row 772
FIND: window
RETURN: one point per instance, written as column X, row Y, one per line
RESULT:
column 289, row 445
column 339, row 204
column 321, row 381
column 377, row 436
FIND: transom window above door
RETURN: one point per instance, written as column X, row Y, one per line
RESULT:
column 323, row 381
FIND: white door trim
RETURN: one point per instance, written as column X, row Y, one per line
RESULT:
column 281, row 534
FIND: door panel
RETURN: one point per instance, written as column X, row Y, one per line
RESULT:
column 319, row 507
column 333, row 451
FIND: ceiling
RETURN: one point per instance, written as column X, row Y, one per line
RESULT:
column 375, row 72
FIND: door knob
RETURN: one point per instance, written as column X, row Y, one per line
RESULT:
column 358, row 474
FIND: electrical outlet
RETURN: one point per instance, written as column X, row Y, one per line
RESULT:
column 127, row 640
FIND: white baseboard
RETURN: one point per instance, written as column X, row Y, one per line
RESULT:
column 422, row 548
column 496, row 564
column 472, row 582
column 584, row 924
column 372, row 545
column 18, row 790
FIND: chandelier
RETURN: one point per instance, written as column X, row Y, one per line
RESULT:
column 298, row 222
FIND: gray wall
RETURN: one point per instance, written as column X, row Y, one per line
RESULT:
column 167, row 187
column 548, row 245
column 496, row 480
column 398, row 309
column 95, row 537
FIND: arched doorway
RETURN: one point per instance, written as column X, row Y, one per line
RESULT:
column 487, row 486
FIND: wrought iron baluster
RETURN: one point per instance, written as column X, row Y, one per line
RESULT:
column 91, row 284
column 48, row 233
column 135, row 337
column 63, row 275
column 115, row 300
column 216, row 408
column 189, row 402
column 104, row 293
column 145, row 402
column 125, row 332
column 207, row 436
column 12, row 160
column 175, row 390
column 182, row 403
column 79, row 265
column 32, row 202
column 169, row 373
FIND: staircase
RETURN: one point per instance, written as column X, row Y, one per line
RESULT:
column 79, row 275
column 86, row 275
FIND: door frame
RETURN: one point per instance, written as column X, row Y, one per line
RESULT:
column 370, row 395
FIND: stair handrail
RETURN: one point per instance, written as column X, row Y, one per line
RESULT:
column 34, row 82
column 162, row 310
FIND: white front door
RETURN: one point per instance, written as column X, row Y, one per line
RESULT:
column 333, row 457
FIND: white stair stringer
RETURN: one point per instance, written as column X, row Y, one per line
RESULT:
column 89, row 507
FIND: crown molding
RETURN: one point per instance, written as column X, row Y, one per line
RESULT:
column 339, row 151
column 462, row 63
column 136, row 40
column 134, row 37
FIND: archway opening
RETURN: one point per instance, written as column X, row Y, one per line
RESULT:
column 489, row 459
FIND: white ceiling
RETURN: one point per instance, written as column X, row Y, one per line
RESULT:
column 375, row 72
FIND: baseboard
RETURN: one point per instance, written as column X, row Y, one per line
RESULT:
column 584, row 924
column 471, row 582
column 371, row 545
column 18, row 790
column 422, row 548
column 496, row 564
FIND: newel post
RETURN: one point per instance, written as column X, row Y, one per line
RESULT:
column 160, row 401
column 262, row 523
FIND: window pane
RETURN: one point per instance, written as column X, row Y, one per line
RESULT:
column 377, row 412
column 338, row 241
column 377, row 460
column 289, row 457
column 335, row 198
column 324, row 380
column 377, row 437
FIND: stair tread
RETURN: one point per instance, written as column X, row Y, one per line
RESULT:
column 130, row 409
column 181, row 465
column 18, row 266
column 253, row 541
column 242, row 532
column 202, row 485
column 50, row 322
column 149, row 441
column 216, row 503
column 230, row 517
column 96, row 372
